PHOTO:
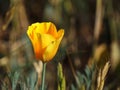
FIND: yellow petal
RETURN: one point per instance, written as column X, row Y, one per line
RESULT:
column 36, row 42
column 60, row 34
column 46, row 39
column 43, row 27
column 52, row 48
column 52, row 30
column 40, row 27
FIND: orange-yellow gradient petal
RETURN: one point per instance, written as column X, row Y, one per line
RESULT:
column 45, row 40
column 52, row 30
column 36, row 42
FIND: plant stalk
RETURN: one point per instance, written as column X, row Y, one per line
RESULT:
column 43, row 76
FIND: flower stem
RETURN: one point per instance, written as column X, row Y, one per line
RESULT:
column 43, row 76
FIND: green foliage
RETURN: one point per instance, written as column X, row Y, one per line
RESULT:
column 14, row 76
column 28, row 81
column 21, row 80
column 61, row 78
column 73, row 87
column 84, row 79
column 31, row 80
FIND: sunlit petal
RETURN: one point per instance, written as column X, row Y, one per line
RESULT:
column 52, row 30
column 52, row 48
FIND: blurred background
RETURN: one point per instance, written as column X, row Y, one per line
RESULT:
column 92, row 34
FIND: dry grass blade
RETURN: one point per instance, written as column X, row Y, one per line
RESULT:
column 105, row 69
column 8, row 18
column 73, row 70
column 98, row 19
column 101, row 76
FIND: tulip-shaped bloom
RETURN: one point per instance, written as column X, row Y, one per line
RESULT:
column 45, row 40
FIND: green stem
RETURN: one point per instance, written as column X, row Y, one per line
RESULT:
column 43, row 76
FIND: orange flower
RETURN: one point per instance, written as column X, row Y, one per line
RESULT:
column 45, row 40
